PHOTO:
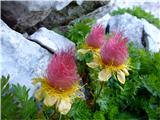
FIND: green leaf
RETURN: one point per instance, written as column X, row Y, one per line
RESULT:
column 4, row 83
column 152, row 84
column 15, row 101
column 20, row 92
column 26, row 106
column 28, row 109
column 85, row 57
column 153, row 108
column 80, row 110
column 98, row 115
column 78, row 31
column 8, row 106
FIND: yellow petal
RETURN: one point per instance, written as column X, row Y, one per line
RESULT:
column 125, row 71
column 38, row 94
column 36, row 80
column 49, row 101
column 64, row 106
column 93, row 64
column 121, row 76
column 97, row 59
column 83, row 51
column 104, row 75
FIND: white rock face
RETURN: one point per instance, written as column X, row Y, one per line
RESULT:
column 152, row 6
column 153, row 36
column 21, row 58
column 51, row 40
column 104, row 20
column 60, row 4
column 79, row 2
column 129, row 25
column 139, row 31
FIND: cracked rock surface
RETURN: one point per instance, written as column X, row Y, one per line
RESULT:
column 23, row 59
column 51, row 40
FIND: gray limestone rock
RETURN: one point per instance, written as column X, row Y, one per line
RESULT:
column 23, row 59
column 139, row 31
column 22, row 15
column 20, row 58
column 131, row 26
column 51, row 40
column 152, row 36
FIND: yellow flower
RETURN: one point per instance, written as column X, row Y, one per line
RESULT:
column 108, row 70
column 112, row 58
column 61, row 84
column 62, row 99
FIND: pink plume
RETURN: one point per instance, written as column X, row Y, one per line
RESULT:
column 96, row 37
column 114, row 51
column 62, row 70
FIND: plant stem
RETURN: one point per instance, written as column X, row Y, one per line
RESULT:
column 96, row 97
column 60, row 116
column 102, row 84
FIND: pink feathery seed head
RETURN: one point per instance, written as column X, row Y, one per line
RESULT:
column 114, row 51
column 62, row 70
column 96, row 37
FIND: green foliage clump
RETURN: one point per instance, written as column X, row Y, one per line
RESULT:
column 16, row 103
column 139, row 13
column 98, row 115
column 80, row 111
column 78, row 31
column 137, row 99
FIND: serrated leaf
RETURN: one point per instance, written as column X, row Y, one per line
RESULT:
column 80, row 110
column 28, row 109
column 4, row 82
column 20, row 92
column 98, row 115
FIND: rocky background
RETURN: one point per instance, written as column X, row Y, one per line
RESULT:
column 28, row 40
